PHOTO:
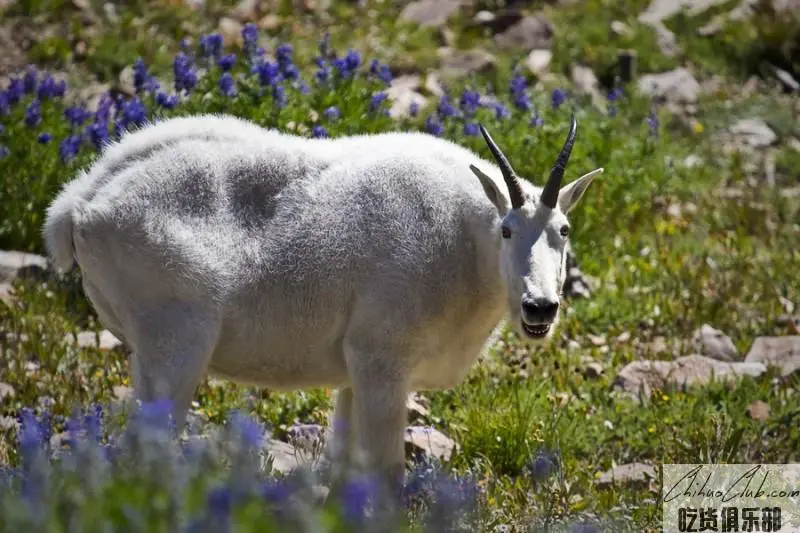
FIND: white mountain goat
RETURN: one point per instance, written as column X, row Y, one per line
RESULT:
column 374, row 264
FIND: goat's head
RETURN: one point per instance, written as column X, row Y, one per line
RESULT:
column 534, row 233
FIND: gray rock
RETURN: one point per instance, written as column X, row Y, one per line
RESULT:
column 499, row 21
column 15, row 265
column 285, row 457
column 529, row 33
column 428, row 441
column 231, row 30
column 459, row 64
column 8, row 423
column 688, row 371
column 782, row 352
column 758, row 410
column 754, row 132
column 634, row 475
column 538, row 61
column 6, row 391
column 402, row 93
column 430, row 12
column 104, row 340
column 7, row 294
column 676, row 86
column 246, row 11
column 714, row 343
column 417, row 411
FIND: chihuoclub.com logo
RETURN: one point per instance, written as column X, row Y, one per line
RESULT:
column 731, row 498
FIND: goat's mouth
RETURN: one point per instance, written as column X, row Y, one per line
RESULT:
column 535, row 331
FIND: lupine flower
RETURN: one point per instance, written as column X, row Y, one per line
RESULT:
column 248, row 429
column 33, row 114
column 268, row 73
column 226, row 85
column 332, row 113
column 226, row 62
column 29, row 80
column 219, row 503
column 98, row 133
column 167, row 101
column 76, row 115
column 103, row 108
column 139, row 75
column 319, row 132
column 324, row 45
column 558, row 97
column 279, row 95
column 615, row 94
column 4, row 105
column 471, row 129
column 211, row 45
column 500, row 111
column 303, row 87
column 134, row 112
column 69, row 148
column 542, row 465
column 469, row 102
column 323, row 73
column 283, row 54
column 15, row 90
column 653, row 123
column 3, row 151
column 445, row 108
column 433, row 126
column 355, row 496
column 49, row 88
column 348, row 65
column 250, row 37
column 184, row 73
column 44, row 138
column 413, row 108
column 376, row 100
column 536, row 120
column 382, row 72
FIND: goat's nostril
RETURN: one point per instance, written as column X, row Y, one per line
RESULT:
column 539, row 310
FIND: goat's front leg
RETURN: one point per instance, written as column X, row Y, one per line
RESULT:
column 379, row 389
column 340, row 438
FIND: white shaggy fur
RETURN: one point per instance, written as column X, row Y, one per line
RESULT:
column 373, row 264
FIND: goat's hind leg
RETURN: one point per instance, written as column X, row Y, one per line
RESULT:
column 172, row 343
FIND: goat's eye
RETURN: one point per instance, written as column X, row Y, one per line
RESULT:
column 505, row 232
column 564, row 231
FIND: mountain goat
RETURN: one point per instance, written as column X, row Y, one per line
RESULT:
column 373, row 264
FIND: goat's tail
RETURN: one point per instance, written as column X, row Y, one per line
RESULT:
column 58, row 224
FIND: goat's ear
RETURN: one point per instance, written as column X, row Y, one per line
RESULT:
column 569, row 194
column 492, row 191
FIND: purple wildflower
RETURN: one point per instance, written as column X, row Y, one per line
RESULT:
column 380, row 71
column 433, row 126
column 536, row 120
column 500, row 111
column 139, row 75
column 319, row 132
column 355, row 497
column 219, row 503
column 29, row 80
column 558, row 97
column 615, row 94
column 226, row 85
column 14, row 90
column 33, row 114
column 332, row 113
column 470, row 129
column 3, row 151
column 211, row 45
column 376, row 100
column 76, row 115
column 167, row 101
column 48, row 88
column 249, row 430
column 469, row 102
column 445, row 108
column 103, row 108
column 324, row 45
column 279, row 96
column 323, row 73
column 69, row 148
column 653, row 123
column 226, row 62
column 268, row 73
column 283, row 54
column 4, row 106
column 134, row 112
column 183, row 70
column 250, row 37
column 44, row 138
column 98, row 133
column 413, row 108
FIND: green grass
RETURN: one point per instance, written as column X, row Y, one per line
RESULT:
column 727, row 262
